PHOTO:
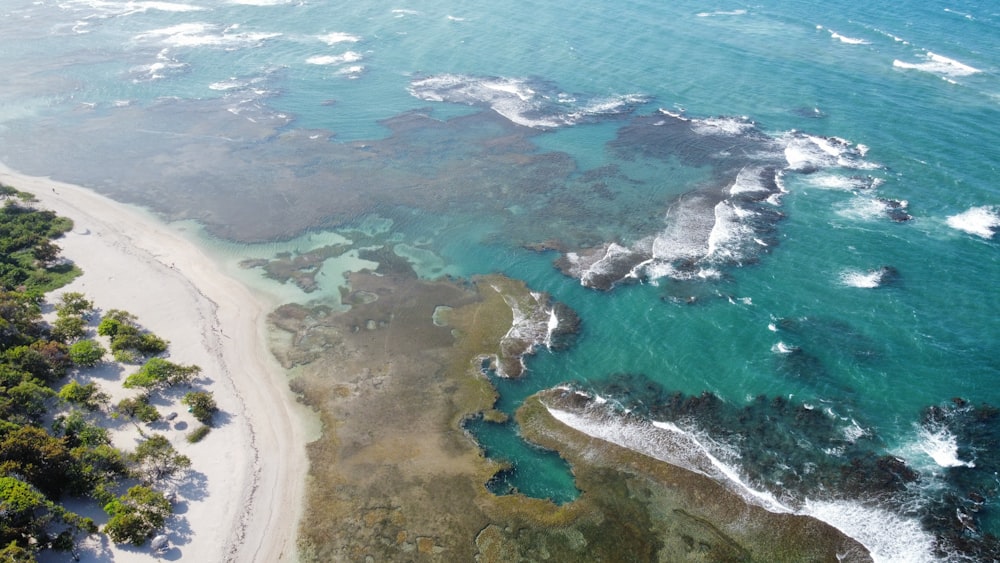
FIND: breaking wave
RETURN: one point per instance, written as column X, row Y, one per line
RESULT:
column 933, row 63
column 980, row 221
column 531, row 103
column 887, row 535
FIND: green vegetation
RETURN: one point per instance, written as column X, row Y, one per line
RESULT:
column 202, row 405
column 126, row 336
column 138, row 408
column 53, row 440
column 87, row 396
column 158, row 373
column 136, row 514
column 71, row 317
column 28, row 257
column 156, row 459
column 197, row 434
column 86, row 353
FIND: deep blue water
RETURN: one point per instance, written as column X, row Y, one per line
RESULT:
column 808, row 286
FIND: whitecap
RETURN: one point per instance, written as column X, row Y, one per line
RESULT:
column 782, row 348
column 338, row 37
column 729, row 126
column 352, row 72
column 348, row 57
column 980, row 221
column 936, row 64
column 865, row 280
column 721, row 13
column 196, row 34
column 845, row 39
column 527, row 103
column 806, row 153
column 730, row 233
column 941, row 446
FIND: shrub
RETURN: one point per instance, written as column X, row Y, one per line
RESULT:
column 139, row 408
column 158, row 372
column 87, row 353
column 88, row 396
column 201, row 404
column 198, row 433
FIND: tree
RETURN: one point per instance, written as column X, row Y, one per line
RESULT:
column 68, row 327
column 155, row 458
column 19, row 504
column 87, row 353
column 157, row 373
column 136, row 515
column 46, row 252
column 74, row 302
column 138, row 407
column 26, row 402
column 76, row 431
column 40, row 459
column 201, row 404
column 123, row 330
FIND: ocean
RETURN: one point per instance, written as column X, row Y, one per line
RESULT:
column 775, row 221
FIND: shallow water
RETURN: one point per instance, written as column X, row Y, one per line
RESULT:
column 801, row 196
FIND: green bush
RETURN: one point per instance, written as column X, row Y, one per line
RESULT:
column 201, row 404
column 87, row 353
column 198, row 433
column 139, row 408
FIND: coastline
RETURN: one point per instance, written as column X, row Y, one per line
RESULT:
column 252, row 466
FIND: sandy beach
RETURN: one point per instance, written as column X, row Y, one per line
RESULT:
column 242, row 498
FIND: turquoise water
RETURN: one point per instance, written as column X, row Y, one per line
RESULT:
column 810, row 291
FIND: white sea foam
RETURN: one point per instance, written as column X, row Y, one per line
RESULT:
column 603, row 264
column 865, row 280
column 348, row 57
column 939, row 65
column 863, row 208
column 808, row 152
column 118, row 9
column 941, row 446
column 731, row 126
column 980, row 221
column 352, row 72
column 164, row 65
column 782, row 348
column 551, row 328
column 888, row 537
column 844, row 38
column 669, row 443
column 721, row 13
column 224, row 85
column 196, row 34
column 338, row 37
column 748, row 181
column 518, row 100
column 730, row 233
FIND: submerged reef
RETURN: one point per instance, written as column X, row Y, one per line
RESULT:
column 395, row 477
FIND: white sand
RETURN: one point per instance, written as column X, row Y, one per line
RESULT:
column 243, row 497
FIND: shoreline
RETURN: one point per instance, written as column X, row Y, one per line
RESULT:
column 253, row 464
